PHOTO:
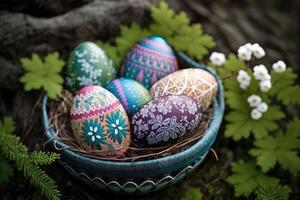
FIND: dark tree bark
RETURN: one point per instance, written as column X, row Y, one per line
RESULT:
column 21, row 34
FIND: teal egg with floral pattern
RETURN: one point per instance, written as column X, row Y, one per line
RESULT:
column 99, row 121
column 88, row 64
column 130, row 93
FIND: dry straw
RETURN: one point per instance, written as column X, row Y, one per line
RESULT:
column 60, row 121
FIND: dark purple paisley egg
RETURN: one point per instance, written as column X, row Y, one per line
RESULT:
column 165, row 120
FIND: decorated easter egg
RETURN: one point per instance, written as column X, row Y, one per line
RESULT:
column 130, row 93
column 165, row 120
column 89, row 65
column 196, row 83
column 99, row 121
column 149, row 60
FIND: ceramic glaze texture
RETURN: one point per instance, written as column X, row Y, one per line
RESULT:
column 89, row 65
column 130, row 93
column 165, row 120
column 99, row 121
column 196, row 83
column 148, row 61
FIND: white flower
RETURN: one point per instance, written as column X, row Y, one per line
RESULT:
column 254, row 100
column 93, row 133
column 265, row 86
column 261, row 73
column 258, row 51
column 84, row 81
column 243, row 77
column 217, row 58
column 262, row 107
column 244, row 86
column 267, row 77
column 279, row 66
column 94, row 74
column 255, row 114
column 248, row 46
column 245, row 52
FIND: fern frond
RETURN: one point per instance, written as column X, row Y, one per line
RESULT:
column 14, row 150
column 39, row 179
column 6, row 170
column 43, row 158
column 273, row 192
column 7, row 125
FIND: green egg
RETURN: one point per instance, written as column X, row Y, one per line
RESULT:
column 88, row 64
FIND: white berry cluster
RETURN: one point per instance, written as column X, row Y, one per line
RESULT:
column 279, row 66
column 261, row 74
column 258, row 107
column 244, row 79
column 246, row 51
column 217, row 59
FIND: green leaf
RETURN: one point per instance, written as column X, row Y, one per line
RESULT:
column 246, row 178
column 284, row 87
column 273, row 192
column 237, row 101
column 7, row 125
column 176, row 28
column 231, row 66
column 43, row 75
column 293, row 128
column 192, row 193
column 165, row 22
column 240, row 125
column 129, row 35
column 5, row 171
column 192, row 41
column 43, row 158
column 281, row 149
column 290, row 95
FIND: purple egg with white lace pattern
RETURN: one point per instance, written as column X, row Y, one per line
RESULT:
column 165, row 120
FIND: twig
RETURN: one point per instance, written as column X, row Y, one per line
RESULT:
column 59, row 120
column 28, row 129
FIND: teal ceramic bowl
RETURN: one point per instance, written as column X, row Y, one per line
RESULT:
column 140, row 176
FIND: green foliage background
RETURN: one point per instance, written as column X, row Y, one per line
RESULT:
column 274, row 139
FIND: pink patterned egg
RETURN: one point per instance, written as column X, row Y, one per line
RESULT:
column 149, row 60
column 99, row 121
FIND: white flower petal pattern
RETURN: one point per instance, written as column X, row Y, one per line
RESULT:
column 164, row 120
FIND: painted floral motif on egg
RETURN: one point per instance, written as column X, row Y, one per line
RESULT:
column 148, row 61
column 165, row 120
column 130, row 93
column 87, row 65
column 99, row 121
column 196, row 83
